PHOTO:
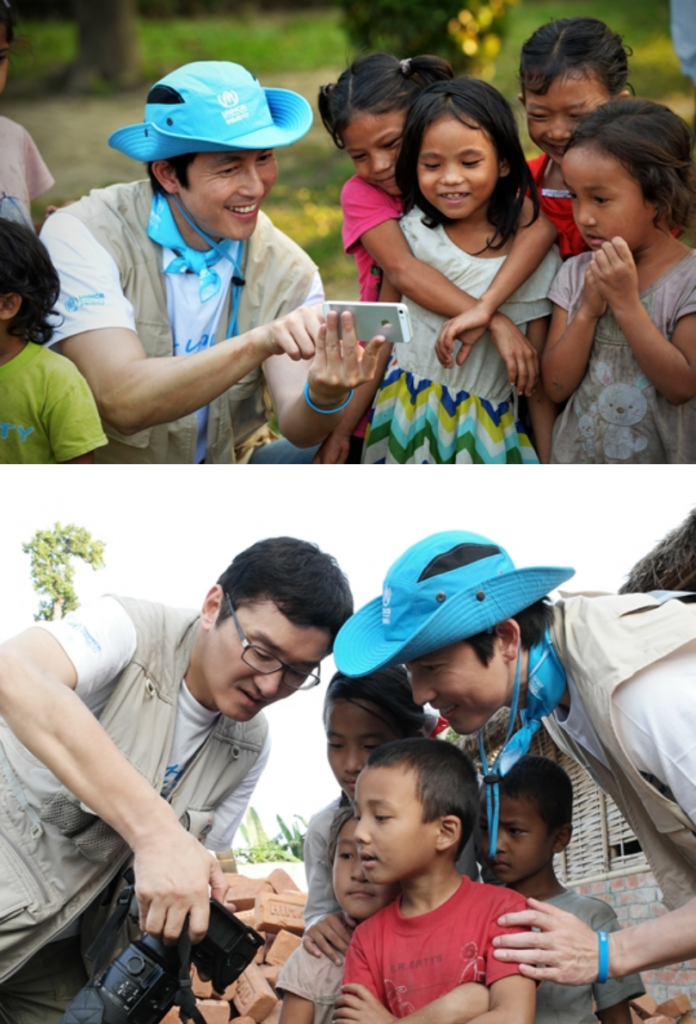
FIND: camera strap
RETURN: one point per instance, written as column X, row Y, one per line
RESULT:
column 100, row 950
column 185, row 999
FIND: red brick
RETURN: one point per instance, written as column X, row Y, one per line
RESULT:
column 285, row 944
column 274, row 911
column 675, row 1007
column 200, row 989
column 687, row 1019
column 247, row 916
column 274, row 1015
column 254, row 996
column 213, row 1011
column 173, row 1017
column 243, row 891
column 270, row 973
column 243, row 1020
column 281, row 881
column 635, row 1018
column 645, row 1006
column 261, row 951
column 660, row 1020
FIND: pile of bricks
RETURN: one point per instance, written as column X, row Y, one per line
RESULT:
column 274, row 907
column 646, row 1010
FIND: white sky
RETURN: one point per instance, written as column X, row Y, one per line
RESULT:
column 169, row 533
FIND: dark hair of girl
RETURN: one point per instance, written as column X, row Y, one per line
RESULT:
column 477, row 105
column 389, row 690
column 377, row 84
column 26, row 270
column 654, row 146
column 8, row 19
column 344, row 814
column 574, row 46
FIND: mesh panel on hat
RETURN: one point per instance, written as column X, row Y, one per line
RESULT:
column 455, row 558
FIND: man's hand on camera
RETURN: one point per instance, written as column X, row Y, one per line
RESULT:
column 176, row 876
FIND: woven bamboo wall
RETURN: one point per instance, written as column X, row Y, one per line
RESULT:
column 602, row 843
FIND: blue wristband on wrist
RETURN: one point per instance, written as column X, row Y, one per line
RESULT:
column 324, row 412
column 603, row 972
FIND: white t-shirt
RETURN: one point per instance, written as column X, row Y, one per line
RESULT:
column 92, row 298
column 100, row 640
column 655, row 719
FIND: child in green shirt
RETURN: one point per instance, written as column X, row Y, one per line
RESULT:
column 47, row 412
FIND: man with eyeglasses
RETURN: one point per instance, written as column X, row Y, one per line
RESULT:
column 118, row 705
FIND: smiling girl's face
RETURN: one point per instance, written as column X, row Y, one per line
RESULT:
column 372, row 142
column 458, row 169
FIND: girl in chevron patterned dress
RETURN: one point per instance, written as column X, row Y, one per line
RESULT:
column 463, row 176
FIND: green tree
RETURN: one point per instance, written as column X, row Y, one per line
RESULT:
column 52, row 569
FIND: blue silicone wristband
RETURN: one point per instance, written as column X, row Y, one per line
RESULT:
column 603, row 972
column 324, row 412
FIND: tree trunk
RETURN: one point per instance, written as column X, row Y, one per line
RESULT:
column 108, row 47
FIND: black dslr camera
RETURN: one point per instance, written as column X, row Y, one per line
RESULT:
column 142, row 984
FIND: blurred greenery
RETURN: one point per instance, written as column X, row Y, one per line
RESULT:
column 272, row 43
column 278, row 42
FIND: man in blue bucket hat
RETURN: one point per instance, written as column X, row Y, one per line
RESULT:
column 611, row 678
column 180, row 299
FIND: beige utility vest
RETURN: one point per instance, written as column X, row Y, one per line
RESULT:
column 55, row 855
column 603, row 641
column 278, row 277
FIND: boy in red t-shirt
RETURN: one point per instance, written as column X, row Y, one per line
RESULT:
column 416, row 802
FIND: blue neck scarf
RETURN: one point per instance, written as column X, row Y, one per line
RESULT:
column 163, row 229
column 545, row 687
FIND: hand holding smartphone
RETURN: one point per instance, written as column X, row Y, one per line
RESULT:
column 390, row 319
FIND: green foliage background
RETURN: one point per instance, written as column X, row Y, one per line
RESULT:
column 52, row 554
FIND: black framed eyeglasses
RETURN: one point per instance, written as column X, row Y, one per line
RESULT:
column 267, row 664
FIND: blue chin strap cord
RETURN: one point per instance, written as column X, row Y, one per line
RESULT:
column 493, row 775
column 237, row 280
column 546, row 684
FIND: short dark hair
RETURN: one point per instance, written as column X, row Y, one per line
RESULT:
column 654, row 145
column 307, row 585
column 180, row 166
column 344, row 813
column 545, row 784
column 574, row 46
column 26, row 270
column 387, row 688
column 445, row 778
column 533, row 622
column 376, row 84
column 477, row 105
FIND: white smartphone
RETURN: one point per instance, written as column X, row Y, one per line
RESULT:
column 372, row 318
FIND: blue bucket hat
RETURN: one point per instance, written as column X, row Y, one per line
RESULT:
column 213, row 106
column 445, row 588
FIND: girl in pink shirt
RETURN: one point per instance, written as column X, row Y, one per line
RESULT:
column 23, row 174
column 364, row 112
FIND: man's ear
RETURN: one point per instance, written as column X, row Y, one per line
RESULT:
column 507, row 635
column 211, row 606
column 450, row 832
column 166, row 176
column 562, row 838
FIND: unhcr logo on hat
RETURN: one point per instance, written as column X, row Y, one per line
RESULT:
column 386, row 610
column 228, row 98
